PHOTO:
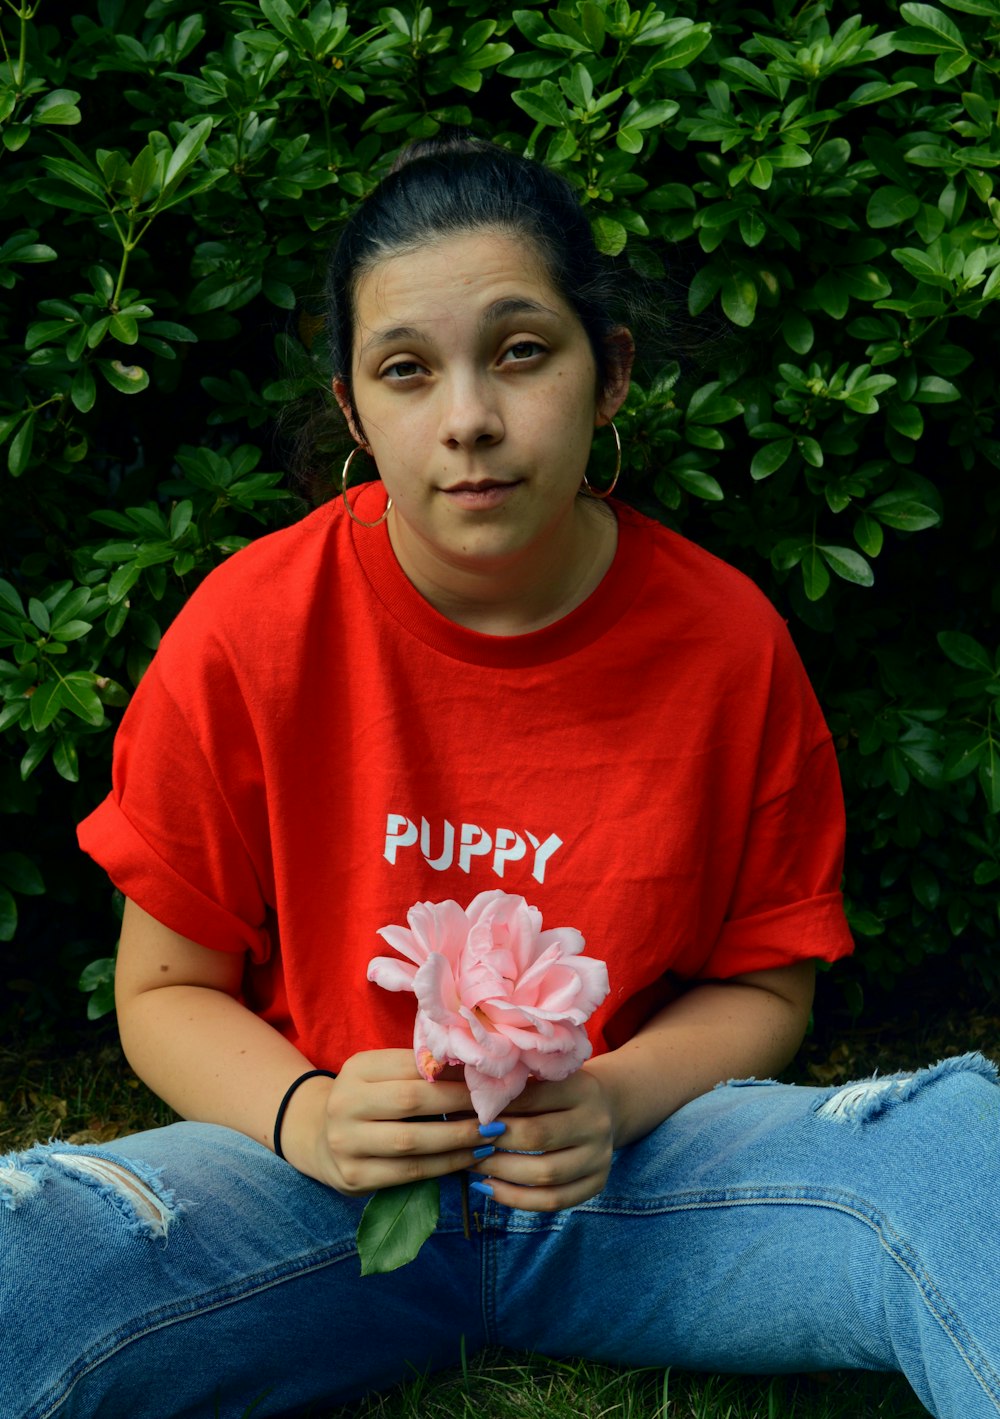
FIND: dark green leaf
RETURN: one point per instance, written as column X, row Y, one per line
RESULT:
column 710, row 405
column 933, row 390
column 815, row 577
column 904, row 511
column 46, row 703
column 33, row 757
column 888, row 206
column 989, row 775
column 798, row 332
column 770, row 458
column 739, row 298
column 869, row 535
column 629, row 140
column 127, row 379
column 609, row 235
column 543, row 108
column 926, row 887
column 66, row 759
column 79, row 696
column 10, row 598
column 395, row 1224
column 702, row 485
column 83, row 391
column 965, row 651
column 752, row 228
column 72, row 630
column 8, row 915
column 19, row 453
column 848, row 564
column 38, row 612
column 906, row 419
column 122, row 582
column 20, row 874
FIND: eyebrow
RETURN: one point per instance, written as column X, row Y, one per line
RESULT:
column 499, row 310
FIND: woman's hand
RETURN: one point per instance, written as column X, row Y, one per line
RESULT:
column 379, row 1124
column 557, row 1149
column 748, row 1025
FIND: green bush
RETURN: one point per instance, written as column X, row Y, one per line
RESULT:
column 817, row 189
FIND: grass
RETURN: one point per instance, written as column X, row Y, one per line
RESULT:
column 75, row 1089
column 81, row 1090
column 498, row 1385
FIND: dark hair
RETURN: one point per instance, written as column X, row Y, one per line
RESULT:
column 444, row 186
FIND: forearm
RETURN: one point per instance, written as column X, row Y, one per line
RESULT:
column 714, row 1032
column 210, row 1058
column 187, row 1035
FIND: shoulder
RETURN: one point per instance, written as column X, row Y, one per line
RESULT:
column 261, row 588
column 695, row 590
column 277, row 562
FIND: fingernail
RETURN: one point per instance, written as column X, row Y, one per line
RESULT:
column 484, row 1152
column 492, row 1130
column 482, row 1187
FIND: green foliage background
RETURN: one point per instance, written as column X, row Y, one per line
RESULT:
column 816, row 190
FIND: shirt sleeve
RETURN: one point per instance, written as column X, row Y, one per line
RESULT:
column 785, row 902
column 183, row 831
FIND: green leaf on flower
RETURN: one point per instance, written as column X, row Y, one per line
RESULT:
column 395, row 1224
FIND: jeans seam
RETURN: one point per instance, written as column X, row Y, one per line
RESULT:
column 490, row 1277
column 894, row 1246
column 49, row 1404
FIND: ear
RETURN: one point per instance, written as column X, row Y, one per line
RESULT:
column 343, row 398
column 620, row 351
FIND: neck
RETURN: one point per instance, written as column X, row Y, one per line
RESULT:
column 525, row 592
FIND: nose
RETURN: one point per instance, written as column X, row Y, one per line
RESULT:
column 471, row 416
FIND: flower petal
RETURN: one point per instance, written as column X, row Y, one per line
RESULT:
column 404, row 942
column 439, row 926
column 434, row 987
column 391, row 974
column 559, row 1065
column 491, row 1096
column 430, row 1040
column 495, row 992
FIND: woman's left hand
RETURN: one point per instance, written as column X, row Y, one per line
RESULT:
column 557, row 1149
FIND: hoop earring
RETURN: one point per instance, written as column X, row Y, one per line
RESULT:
column 591, row 492
column 343, row 493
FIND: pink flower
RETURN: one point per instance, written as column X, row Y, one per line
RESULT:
column 495, row 993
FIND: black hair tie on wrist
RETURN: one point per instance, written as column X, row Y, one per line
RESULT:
column 279, row 1117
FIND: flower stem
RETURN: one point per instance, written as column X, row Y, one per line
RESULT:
column 466, row 1229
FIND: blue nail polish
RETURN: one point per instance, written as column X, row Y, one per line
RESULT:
column 492, row 1130
column 482, row 1187
column 480, row 1153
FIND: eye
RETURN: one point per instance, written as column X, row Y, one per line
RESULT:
column 400, row 370
column 522, row 350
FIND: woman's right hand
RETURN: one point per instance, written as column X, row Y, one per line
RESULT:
column 379, row 1124
column 189, row 1035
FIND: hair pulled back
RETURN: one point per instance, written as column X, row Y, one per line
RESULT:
column 450, row 185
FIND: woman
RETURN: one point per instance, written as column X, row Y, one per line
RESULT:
column 474, row 674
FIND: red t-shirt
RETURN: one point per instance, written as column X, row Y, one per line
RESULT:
column 314, row 749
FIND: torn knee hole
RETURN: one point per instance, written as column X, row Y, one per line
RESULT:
column 16, row 1186
column 857, row 1102
column 867, row 1099
column 151, row 1213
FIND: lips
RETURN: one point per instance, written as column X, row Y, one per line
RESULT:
column 481, row 495
column 485, row 485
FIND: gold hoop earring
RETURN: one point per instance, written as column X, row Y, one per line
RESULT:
column 343, row 493
column 591, row 492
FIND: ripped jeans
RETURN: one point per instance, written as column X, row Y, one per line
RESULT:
column 763, row 1228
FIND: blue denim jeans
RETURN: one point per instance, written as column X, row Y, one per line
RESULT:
column 763, row 1228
